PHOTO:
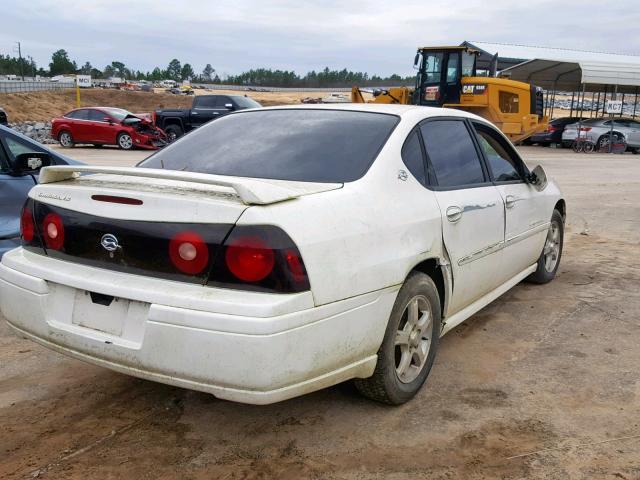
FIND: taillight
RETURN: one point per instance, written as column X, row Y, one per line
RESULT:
column 27, row 227
column 250, row 259
column 585, row 129
column 552, row 129
column 295, row 265
column 261, row 258
column 189, row 253
column 53, row 231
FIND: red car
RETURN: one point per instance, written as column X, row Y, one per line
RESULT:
column 106, row 126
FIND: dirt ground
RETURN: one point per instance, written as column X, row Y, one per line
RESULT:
column 543, row 383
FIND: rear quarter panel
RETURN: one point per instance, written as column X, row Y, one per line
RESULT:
column 365, row 236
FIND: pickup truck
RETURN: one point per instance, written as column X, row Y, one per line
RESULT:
column 177, row 122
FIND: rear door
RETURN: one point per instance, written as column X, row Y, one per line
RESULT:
column 526, row 211
column 80, row 126
column 471, row 208
column 205, row 108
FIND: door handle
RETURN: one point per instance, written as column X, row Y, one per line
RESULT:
column 216, row 113
column 454, row 213
column 510, row 201
column 194, row 113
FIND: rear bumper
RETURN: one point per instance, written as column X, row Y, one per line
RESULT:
column 280, row 351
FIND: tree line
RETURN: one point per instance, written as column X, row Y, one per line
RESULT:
column 61, row 64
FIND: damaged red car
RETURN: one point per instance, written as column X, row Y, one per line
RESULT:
column 107, row 126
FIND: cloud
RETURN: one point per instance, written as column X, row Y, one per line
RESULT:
column 375, row 36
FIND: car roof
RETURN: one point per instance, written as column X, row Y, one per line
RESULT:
column 404, row 111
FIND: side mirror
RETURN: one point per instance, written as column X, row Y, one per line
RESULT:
column 32, row 162
column 109, row 120
column 416, row 59
column 538, row 178
column 228, row 106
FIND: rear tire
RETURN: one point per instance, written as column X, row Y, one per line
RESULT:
column 549, row 259
column 410, row 343
column 65, row 139
column 173, row 132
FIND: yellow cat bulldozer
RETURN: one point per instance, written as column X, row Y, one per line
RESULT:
column 447, row 77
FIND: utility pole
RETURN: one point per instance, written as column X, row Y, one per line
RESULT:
column 20, row 59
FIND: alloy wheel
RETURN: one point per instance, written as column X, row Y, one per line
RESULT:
column 125, row 142
column 65, row 139
column 552, row 247
column 413, row 339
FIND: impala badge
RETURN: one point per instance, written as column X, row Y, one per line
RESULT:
column 110, row 243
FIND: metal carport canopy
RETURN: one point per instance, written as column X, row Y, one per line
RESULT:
column 570, row 76
column 569, row 70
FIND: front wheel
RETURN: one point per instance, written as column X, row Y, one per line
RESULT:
column 549, row 259
column 65, row 139
column 409, row 346
column 125, row 142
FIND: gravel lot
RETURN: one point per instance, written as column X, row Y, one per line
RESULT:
column 543, row 383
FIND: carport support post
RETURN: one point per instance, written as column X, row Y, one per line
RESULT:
column 611, row 115
column 571, row 110
column 635, row 103
column 598, row 105
column 604, row 99
column 580, row 114
column 593, row 101
column 622, row 109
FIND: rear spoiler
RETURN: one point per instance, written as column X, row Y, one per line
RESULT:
column 251, row 191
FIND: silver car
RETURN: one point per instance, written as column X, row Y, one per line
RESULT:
column 597, row 130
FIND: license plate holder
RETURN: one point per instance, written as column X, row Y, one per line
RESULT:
column 91, row 310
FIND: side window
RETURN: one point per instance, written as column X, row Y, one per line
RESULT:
column 452, row 67
column 80, row 114
column 96, row 115
column 222, row 101
column 452, row 153
column 502, row 163
column 509, row 102
column 412, row 157
column 17, row 146
column 206, row 102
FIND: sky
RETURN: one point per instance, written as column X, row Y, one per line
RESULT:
column 363, row 35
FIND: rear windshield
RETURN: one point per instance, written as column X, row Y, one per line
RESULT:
column 246, row 102
column 332, row 146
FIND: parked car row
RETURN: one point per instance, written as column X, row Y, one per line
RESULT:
column 599, row 130
column 332, row 243
column 565, row 131
column 115, row 126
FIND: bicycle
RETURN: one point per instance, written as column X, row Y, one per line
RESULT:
column 582, row 145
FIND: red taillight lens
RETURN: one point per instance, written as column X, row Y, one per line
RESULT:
column 552, row 129
column 27, row 227
column 189, row 253
column 250, row 259
column 295, row 266
column 585, row 129
column 53, row 231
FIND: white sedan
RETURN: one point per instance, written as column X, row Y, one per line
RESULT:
column 278, row 251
